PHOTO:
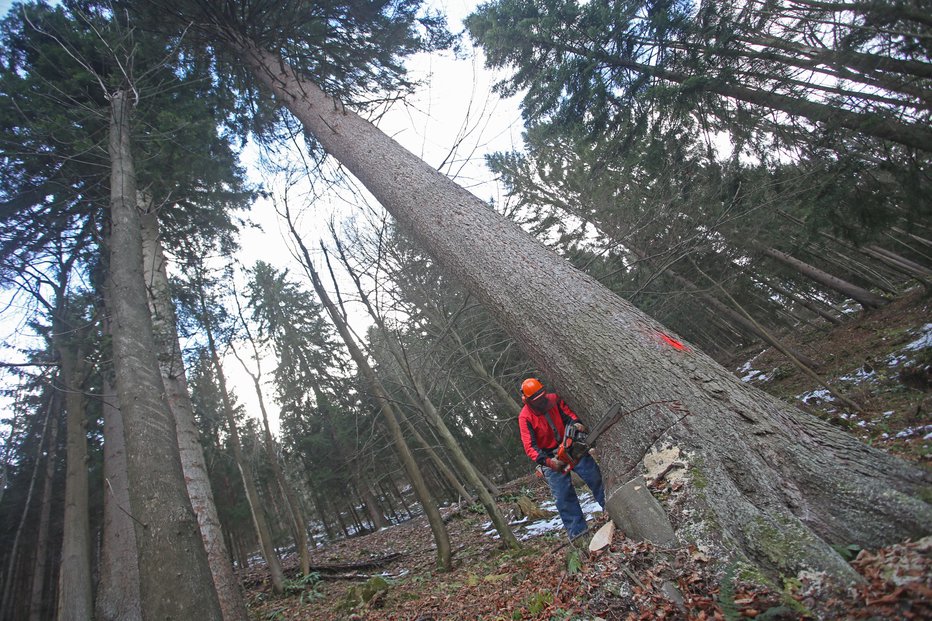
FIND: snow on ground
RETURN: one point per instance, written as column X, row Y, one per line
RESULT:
column 924, row 341
column 525, row 530
column 821, row 394
column 860, row 375
column 925, row 431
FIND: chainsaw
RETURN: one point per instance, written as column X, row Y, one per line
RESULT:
column 576, row 444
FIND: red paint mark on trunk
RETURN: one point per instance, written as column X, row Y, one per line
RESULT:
column 672, row 342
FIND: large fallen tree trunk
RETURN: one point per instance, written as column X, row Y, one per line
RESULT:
column 768, row 482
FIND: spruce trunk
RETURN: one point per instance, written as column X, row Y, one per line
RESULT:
column 768, row 481
column 171, row 365
column 441, row 537
column 174, row 578
column 295, row 516
column 118, row 589
column 75, row 591
column 249, row 482
column 37, row 602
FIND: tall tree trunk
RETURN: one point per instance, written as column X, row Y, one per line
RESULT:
column 321, row 505
column 37, row 603
column 171, row 366
column 118, row 588
column 75, row 590
column 296, row 518
column 416, row 391
column 770, row 482
column 249, row 482
column 854, row 266
column 388, row 501
column 167, row 533
column 400, row 497
column 441, row 537
column 891, row 259
column 446, row 474
column 801, row 299
column 862, row 296
column 372, row 505
column 899, row 262
column 475, row 364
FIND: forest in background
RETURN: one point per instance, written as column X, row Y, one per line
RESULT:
column 740, row 173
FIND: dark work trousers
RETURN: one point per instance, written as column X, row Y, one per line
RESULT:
column 565, row 494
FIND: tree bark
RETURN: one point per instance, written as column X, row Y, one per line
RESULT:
column 249, row 482
column 769, row 482
column 800, row 299
column 167, row 534
column 443, row 470
column 75, row 591
column 191, row 453
column 372, row 505
column 52, row 413
column 298, row 524
column 37, row 604
column 118, row 588
column 734, row 316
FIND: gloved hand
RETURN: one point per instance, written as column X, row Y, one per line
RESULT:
column 580, row 427
column 555, row 464
column 539, row 471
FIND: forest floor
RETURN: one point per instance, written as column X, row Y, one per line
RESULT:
column 880, row 360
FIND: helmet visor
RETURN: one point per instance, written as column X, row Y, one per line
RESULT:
column 538, row 400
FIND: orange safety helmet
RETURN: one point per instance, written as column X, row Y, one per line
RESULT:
column 531, row 388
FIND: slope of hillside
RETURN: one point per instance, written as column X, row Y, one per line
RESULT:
column 881, row 360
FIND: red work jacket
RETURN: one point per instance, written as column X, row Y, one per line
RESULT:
column 536, row 432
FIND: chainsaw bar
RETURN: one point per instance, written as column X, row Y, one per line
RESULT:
column 614, row 414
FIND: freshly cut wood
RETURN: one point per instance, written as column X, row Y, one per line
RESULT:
column 603, row 537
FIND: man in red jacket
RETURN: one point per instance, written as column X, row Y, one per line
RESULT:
column 542, row 422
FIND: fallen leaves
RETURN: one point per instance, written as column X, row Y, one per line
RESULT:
column 619, row 579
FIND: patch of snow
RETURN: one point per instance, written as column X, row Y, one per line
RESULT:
column 747, row 365
column 862, row 423
column 540, row 527
column 895, row 360
column 850, row 308
column 924, row 341
column 753, row 375
column 821, row 394
column 925, row 430
column 859, row 376
column 888, row 414
column 403, row 572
